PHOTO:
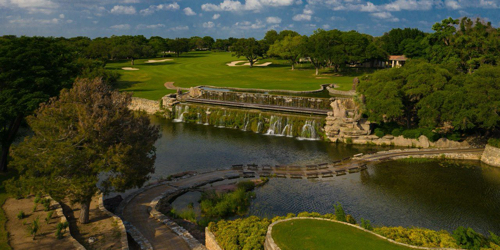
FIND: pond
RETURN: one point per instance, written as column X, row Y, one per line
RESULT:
column 391, row 193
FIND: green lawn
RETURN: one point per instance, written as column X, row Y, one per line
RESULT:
column 319, row 235
column 3, row 196
column 208, row 68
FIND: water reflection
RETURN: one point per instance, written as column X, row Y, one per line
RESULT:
column 396, row 194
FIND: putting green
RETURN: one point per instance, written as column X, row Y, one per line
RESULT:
column 312, row 234
column 209, row 68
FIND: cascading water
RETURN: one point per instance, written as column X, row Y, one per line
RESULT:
column 269, row 123
column 309, row 131
column 180, row 111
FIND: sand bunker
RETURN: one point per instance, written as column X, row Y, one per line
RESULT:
column 129, row 68
column 157, row 61
column 234, row 64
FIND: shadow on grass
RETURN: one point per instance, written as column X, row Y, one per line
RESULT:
column 123, row 85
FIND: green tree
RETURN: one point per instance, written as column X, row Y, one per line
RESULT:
column 290, row 48
column 158, row 44
column 32, row 69
column 339, row 212
column 85, row 137
column 249, row 48
column 208, row 41
column 316, row 49
column 179, row 45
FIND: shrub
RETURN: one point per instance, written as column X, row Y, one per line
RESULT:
column 49, row 216
column 247, row 233
column 468, row 238
column 216, row 205
column 34, row 208
column 418, row 236
column 412, row 133
column 379, row 133
column 34, row 227
column 339, row 212
column 38, row 197
column 454, row 136
column 366, row 224
column 350, row 219
column 494, row 142
column 348, row 140
column 246, row 185
column 46, row 204
column 21, row 215
column 396, row 132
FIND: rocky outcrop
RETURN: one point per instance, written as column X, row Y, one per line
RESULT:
column 141, row 104
column 345, row 121
column 491, row 156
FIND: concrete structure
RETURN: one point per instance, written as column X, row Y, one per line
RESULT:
column 491, row 156
column 396, row 61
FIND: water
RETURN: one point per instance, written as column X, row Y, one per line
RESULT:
column 392, row 193
column 395, row 194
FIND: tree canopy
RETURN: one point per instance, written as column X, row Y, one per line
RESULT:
column 85, row 138
column 249, row 48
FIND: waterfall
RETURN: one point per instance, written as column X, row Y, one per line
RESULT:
column 275, row 126
column 207, row 121
column 309, row 131
column 246, row 121
column 222, row 120
column 179, row 113
column 199, row 121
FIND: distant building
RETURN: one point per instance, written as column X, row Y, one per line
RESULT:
column 396, row 61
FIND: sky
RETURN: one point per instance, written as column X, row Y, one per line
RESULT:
column 229, row 18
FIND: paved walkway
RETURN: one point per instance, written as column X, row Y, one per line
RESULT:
column 136, row 212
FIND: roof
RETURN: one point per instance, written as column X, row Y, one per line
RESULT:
column 397, row 58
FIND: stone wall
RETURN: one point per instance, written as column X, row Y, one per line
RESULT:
column 210, row 241
column 421, row 142
column 491, row 156
column 123, row 231
column 148, row 106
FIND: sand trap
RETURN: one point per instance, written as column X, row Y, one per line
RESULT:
column 129, row 68
column 157, row 61
column 234, row 64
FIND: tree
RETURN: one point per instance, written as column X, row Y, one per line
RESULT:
column 179, row 45
column 316, row 49
column 290, row 48
column 32, row 69
column 87, row 136
column 158, row 45
column 248, row 48
column 209, row 42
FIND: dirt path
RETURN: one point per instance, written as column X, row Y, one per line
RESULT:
column 170, row 85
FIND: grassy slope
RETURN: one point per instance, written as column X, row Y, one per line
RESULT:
column 4, row 244
column 206, row 68
column 319, row 235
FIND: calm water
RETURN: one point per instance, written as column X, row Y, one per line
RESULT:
column 392, row 193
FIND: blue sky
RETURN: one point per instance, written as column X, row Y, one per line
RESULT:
column 226, row 18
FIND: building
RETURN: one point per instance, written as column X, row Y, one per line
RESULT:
column 396, row 61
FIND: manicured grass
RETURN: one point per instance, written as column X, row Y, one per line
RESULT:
column 319, row 235
column 4, row 237
column 209, row 68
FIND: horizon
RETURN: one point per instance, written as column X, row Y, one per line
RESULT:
column 230, row 18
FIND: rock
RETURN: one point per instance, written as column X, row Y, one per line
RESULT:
column 194, row 92
column 491, row 156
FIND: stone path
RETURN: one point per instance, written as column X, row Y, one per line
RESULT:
column 137, row 211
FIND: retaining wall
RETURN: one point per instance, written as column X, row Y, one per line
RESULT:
column 210, row 241
column 148, row 106
column 271, row 245
column 421, row 142
column 491, row 156
column 123, row 231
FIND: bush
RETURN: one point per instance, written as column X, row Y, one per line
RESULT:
column 348, row 140
column 247, row 233
column 418, row 237
column 38, row 197
column 339, row 213
column 454, row 136
column 468, row 238
column 34, row 208
column 379, row 133
column 49, row 216
column 246, row 185
column 396, row 132
column 34, row 227
column 494, row 142
column 216, row 205
column 46, row 204
column 350, row 219
column 21, row 215
column 366, row 224
column 412, row 133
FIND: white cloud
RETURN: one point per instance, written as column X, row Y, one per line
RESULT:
column 399, row 5
column 61, row 16
column 246, row 25
column 452, row 4
column 153, row 8
column 325, row 26
column 179, row 28
column 69, row 21
column 208, row 25
column 302, row 17
column 120, row 9
column 33, row 6
column 155, row 26
column 189, row 12
column 273, row 20
column 251, row 5
column 337, row 18
column 387, row 16
column 216, row 16
column 489, row 4
column 121, row 27
column 33, row 22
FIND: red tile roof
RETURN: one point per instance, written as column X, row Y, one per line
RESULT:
column 397, row 58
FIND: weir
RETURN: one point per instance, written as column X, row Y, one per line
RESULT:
column 303, row 127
